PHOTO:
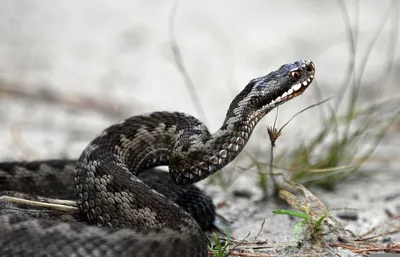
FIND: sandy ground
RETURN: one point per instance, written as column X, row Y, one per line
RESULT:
column 56, row 56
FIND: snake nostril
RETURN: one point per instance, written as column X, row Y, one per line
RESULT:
column 310, row 67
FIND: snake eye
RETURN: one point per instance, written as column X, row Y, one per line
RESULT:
column 295, row 75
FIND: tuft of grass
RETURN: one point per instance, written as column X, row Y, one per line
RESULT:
column 345, row 152
column 218, row 249
column 306, row 219
column 339, row 148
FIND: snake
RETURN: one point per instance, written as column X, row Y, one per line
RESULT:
column 125, row 215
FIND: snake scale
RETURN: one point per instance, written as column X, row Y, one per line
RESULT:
column 132, row 217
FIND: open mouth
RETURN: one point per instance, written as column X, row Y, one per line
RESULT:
column 295, row 90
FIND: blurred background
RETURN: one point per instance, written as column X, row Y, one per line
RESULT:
column 69, row 69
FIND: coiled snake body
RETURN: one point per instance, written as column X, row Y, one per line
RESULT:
column 109, row 192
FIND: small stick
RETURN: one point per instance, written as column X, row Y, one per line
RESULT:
column 62, row 205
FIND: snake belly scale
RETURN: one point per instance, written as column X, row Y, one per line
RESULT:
column 132, row 218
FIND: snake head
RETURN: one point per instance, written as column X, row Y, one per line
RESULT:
column 263, row 94
column 279, row 86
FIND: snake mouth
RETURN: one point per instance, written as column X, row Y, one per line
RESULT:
column 295, row 90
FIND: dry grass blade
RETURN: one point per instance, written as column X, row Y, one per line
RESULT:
column 370, row 248
column 176, row 52
column 305, row 109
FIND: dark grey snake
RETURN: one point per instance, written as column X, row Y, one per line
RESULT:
column 110, row 192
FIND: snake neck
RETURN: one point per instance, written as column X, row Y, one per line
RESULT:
column 198, row 155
